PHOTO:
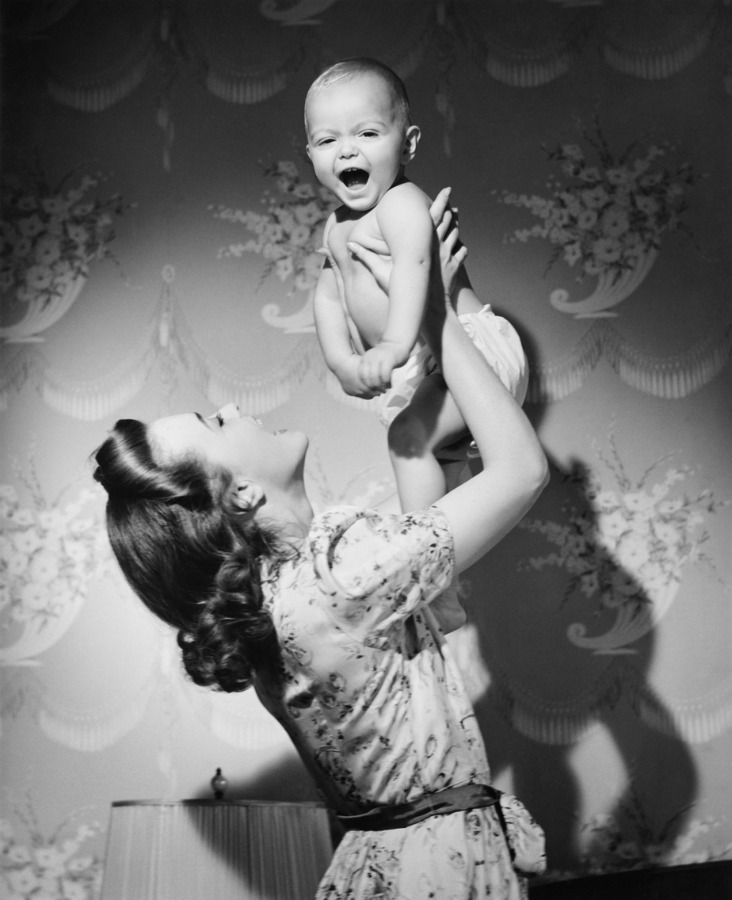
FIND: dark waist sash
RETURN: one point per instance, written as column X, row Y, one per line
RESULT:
column 449, row 800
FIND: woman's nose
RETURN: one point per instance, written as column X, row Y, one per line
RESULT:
column 229, row 411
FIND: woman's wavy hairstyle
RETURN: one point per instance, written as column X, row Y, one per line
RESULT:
column 190, row 555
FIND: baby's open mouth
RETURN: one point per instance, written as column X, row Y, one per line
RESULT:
column 354, row 178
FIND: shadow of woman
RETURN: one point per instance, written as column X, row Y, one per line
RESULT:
column 552, row 707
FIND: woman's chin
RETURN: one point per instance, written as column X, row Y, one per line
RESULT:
column 298, row 438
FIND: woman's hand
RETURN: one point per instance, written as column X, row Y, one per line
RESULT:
column 450, row 254
column 450, row 250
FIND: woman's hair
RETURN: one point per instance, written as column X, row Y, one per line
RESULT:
column 190, row 555
column 357, row 66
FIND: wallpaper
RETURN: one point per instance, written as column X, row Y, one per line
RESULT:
column 160, row 229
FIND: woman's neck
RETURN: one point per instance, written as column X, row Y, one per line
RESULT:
column 290, row 514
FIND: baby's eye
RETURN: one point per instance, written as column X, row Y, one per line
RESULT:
column 369, row 134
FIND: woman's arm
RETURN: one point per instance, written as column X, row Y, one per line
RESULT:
column 485, row 508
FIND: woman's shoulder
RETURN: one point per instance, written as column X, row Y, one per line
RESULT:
column 335, row 521
column 357, row 511
column 330, row 525
column 351, row 546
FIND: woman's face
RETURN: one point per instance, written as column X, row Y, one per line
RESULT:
column 238, row 444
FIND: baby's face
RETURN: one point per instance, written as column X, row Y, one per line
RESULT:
column 356, row 143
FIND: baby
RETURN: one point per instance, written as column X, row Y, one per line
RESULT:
column 360, row 139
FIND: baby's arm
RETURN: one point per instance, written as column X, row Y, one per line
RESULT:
column 333, row 334
column 406, row 225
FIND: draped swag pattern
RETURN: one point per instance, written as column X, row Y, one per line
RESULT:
column 695, row 720
column 238, row 721
column 169, row 346
column 235, row 719
column 251, row 57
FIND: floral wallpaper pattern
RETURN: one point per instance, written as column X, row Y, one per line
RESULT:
column 627, row 550
column 49, row 236
column 48, row 554
column 606, row 218
column 287, row 236
column 626, row 839
column 48, row 867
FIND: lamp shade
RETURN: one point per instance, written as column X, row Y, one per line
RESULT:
column 206, row 849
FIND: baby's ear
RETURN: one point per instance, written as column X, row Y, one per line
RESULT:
column 248, row 495
column 411, row 139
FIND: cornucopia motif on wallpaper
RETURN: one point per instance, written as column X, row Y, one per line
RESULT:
column 49, row 236
column 48, row 554
column 49, row 865
column 605, row 219
column 286, row 235
column 609, row 845
column 624, row 554
column 627, row 550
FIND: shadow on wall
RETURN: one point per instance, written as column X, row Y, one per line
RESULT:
column 535, row 671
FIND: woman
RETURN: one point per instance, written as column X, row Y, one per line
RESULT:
column 336, row 619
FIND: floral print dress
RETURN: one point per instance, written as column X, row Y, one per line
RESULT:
column 368, row 692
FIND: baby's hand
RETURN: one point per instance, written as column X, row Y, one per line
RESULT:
column 377, row 364
column 352, row 384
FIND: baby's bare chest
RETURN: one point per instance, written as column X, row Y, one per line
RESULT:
column 366, row 302
column 364, row 231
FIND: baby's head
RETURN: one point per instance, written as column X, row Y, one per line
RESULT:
column 348, row 70
column 359, row 130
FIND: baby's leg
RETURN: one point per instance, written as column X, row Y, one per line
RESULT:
column 430, row 422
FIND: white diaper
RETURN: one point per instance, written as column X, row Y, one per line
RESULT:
column 494, row 336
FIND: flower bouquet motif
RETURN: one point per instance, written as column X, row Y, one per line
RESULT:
column 627, row 548
column 605, row 217
column 48, row 867
column 626, row 839
column 287, row 234
column 48, row 238
column 48, row 554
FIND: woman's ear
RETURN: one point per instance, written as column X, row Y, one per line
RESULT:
column 411, row 139
column 248, row 495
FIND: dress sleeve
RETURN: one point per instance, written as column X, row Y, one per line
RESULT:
column 378, row 567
